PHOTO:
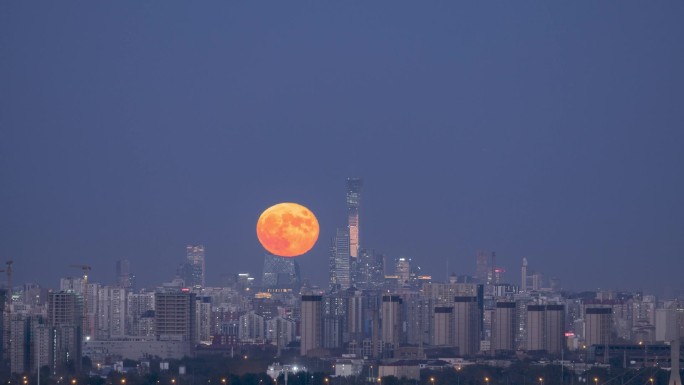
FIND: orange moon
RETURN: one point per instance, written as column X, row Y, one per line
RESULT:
column 287, row 229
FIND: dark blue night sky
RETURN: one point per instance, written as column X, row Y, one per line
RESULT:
column 552, row 130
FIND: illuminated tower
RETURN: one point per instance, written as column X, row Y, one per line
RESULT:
column 195, row 256
column 353, row 204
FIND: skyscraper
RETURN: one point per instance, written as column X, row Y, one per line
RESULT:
column 124, row 278
column 443, row 326
column 175, row 318
column 503, row 327
column 280, row 272
column 523, row 276
column 598, row 321
column 391, row 323
column 112, row 311
column 467, row 330
column 311, row 329
column 340, row 264
column 403, row 271
column 65, row 316
column 370, row 269
column 485, row 267
column 354, row 186
column 535, row 327
column 195, row 257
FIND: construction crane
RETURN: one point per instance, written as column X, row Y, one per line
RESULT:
column 86, row 270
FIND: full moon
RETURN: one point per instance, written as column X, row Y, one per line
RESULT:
column 287, row 229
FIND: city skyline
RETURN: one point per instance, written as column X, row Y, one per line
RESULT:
column 551, row 132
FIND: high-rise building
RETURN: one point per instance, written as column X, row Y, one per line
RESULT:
column 598, row 321
column 20, row 348
column 523, row 276
column 443, row 326
column 92, row 303
column 203, row 320
column 124, row 278
column 545, row 328
column 65, row 317
column 340, row 261
column 311, row 329
column 335, row 306
column 195, row 259
column 252, row 327
column 139, row 305
column 403, row 271
column 391, row 323
column 417, row 325
column 112, row 309
column 175, row 318
column 485, row 268
column 468, row 321
column 354, row 186
column 280, row 272
column 521, row 302
column 370, row 270
column 554, row 329
column 355, row 314
column 503, row 327
column 41, row 343
column 3, row 332
column 280, row 331
column 535, row 327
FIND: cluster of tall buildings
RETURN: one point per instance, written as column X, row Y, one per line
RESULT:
column 373, row 306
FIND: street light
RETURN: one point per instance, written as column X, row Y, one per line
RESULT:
column 432, row 380
column 123, row 381
column 541, row 381
column 487, row 380
column 595, row 380
column 650, row 380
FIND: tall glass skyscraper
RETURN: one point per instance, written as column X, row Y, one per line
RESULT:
column 353, row 204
